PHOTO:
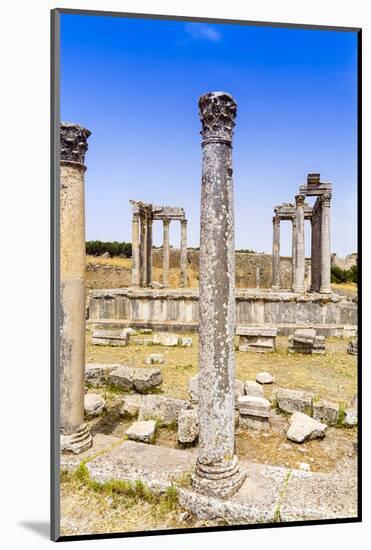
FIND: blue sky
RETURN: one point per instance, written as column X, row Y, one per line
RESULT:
column 135, row 84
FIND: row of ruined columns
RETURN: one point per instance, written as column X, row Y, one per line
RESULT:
column 320, row 247
column 142, row 251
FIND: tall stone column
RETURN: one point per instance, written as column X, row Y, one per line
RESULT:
column 149, row 251
column 75, row 435
column 276, row 254
column 143, row 250
column 183, row 253
column 165, row 253
column 300, row 245
column 135, row 275
column 293, row 254
column 217, row 470
column 316, row 248
column 325, row 244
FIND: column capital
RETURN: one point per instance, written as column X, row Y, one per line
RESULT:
column 183, row 222
column 217, row 112
column 74, row 143
column 299, row 200
column 166, row 221
column 326, row 199
column 276, row 221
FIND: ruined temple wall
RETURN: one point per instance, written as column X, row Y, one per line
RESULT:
column 344, row 263
column 114, row 276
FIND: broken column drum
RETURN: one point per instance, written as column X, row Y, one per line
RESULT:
column 75, row 435
column 217, row 470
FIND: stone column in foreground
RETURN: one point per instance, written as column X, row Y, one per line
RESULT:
column 325, row 244
column 293, row 254
column 165, row 253
column 300, row 248
column 135, row 275
column 217, row 470
column 149, row 251
column 183, row 253
column 75, row 435
column 276, row 254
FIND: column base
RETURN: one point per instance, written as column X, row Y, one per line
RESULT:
column 275, row 287
column 299, row 290
column 78, row 442
column 325, row 290
column 220, row 481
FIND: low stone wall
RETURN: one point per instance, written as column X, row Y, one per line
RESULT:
column 114, row 276
column 344, row 263
column 329, row 314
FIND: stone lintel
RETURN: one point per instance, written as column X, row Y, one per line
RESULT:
column 315, row 190
column 256, row 331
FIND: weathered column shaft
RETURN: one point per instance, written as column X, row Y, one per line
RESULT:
column 149, row 251
column 293, row 254
column 325, row 244
column 143, row 250
column 276, row 259
column 300, row 244
column 165, row 253
column 183, row 253
column 316, row 249
column 75, row 436
column 135, row 274
column 217, row 470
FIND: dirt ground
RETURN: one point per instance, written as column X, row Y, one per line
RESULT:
column 89, row 508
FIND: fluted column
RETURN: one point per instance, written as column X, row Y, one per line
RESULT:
column 325, row 244
column 135, row 276
column 75, row 436
column 293, row 255
column 300, row 245
column 143, row 250
column 149, row 251
column 183, row 253
column 165, row 253
column 217, row 470
column 276, row 254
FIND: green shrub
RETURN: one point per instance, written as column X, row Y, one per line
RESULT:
column 339, row 275
column 115, row 248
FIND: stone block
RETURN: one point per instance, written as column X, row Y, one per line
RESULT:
column 193, row 388
column 306, row 341
column 143, row 431
column 110, row 337
column 138, row 379
column 253, row 406
column 253, row 388
column 185, row 342
column 351, row 417
column 165, row 339
column 257, row 339
column 96, row 374
column 187, row 425
column 94, row 405
column 352, row 348
column 264, row 378
column 291, row 401
column 131, row 405
column 303, row 427
column 248, row 422
column 164, row 409
column 141, row 341
column 326, row 411
column 154, row 358
column 239, row 391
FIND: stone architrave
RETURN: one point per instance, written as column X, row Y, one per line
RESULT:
column 217, row 471
column 135, row 275
column 75, row 436
column 325, row 244
column 300, row 247
column 183, row 253
column 276, row 254
column 165, row 253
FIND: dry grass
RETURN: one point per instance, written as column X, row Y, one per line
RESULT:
column 332, row 376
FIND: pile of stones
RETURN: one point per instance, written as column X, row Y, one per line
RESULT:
column 306, row 341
